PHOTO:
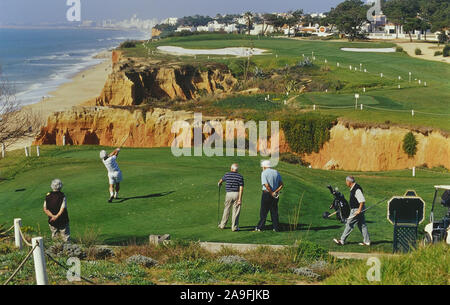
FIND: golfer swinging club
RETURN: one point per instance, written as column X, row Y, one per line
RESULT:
column 114, row 172
column 357, row 202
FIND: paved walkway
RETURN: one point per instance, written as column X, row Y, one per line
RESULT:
column 216, row 247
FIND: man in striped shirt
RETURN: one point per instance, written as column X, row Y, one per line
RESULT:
column 233, row 199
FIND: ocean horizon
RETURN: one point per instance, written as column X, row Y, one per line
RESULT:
column 36, row 62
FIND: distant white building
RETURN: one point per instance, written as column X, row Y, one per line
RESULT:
column 260, row 29
column 170, row 21
column 185, row 28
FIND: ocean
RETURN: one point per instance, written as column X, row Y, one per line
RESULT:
column 37, row 61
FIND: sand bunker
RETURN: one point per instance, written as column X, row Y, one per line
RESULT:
column 369, row 50
column 240, row 52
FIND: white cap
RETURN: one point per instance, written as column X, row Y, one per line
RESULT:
column 265, row 163
column 103, row 154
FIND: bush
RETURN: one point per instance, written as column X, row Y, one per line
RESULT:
column 307, row 251
column 307, row 133
column 128, row 44
column 292, row 159
column 410, row 144
column 399, row 49
column 446, row 51
column 418, row 51
column 438, row 53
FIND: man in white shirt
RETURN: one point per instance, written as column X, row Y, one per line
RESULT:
column 114, row 172
column 356, row 202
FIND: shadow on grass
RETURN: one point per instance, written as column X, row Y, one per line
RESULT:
column 286, row 227
column 121, row 200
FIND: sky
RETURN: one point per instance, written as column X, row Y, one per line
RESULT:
column 54, row 11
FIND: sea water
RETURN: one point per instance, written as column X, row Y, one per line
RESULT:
column 36, row 61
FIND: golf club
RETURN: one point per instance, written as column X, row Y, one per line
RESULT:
column 372, row 206
column 218, row 205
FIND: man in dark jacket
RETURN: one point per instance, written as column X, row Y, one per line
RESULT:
column 55, row 206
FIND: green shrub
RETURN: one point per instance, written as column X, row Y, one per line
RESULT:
column 6, row 248
column 128, row 44
column 307, row 133
column 410, row 144
column 292, row 159
column 309, row 251
column 418, row 51
column 399, row 49
column 446, row 51
column 438, row 53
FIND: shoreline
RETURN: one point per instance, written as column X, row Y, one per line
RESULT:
column 81, row 88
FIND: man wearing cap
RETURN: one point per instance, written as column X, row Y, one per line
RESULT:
column 357, row 202
column 233, row 199
column 114, row 172
column 271, row 187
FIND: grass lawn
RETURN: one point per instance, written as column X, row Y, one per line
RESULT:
column 381, row 92
column 164, row 194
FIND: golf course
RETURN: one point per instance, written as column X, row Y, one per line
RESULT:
column 163, row 194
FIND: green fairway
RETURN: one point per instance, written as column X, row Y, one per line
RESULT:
column 431, row 103
column 164, row 194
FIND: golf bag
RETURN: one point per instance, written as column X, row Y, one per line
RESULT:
column 340, row 205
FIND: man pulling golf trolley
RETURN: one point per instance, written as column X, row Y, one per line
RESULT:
column 439, row 227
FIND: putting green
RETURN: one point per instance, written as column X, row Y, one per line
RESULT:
column 164, row 194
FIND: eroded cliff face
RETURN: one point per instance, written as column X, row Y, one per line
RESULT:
column 133, row 128
column 132, row 82
column 349, row 148
column 376, row 149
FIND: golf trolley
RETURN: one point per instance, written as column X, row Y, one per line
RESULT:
column 339, row 204
column 439, row 227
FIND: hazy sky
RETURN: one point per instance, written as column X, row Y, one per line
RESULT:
column 52, row 11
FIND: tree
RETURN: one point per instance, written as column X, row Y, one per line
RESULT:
column 349, row 17
column 436, row 13
column 400, row 11
column 297, row 17
column 15, row 122
column 411, row 25
column 249, row 17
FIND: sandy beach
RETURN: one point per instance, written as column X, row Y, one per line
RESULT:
column 84, row 86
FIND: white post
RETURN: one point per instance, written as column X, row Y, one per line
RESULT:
column 26, row 152
column 38, row 151
column 356, row 98
column 414, row 171
column 351, row 68
column 420, row 82
column 425, row 84
column 410, row 76
column 40, row 267
column 365, row 70
column 360, row 67
column 314, row 107
column 399, row 87
column 362, row 106
column 64, row 140
column 412, row 112
column 364, row 90
column 18, row 238
column 3, row 150
column 381, row 74
column 338, row 65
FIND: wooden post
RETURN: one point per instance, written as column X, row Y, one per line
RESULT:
column 17, row 237
column 40, row 266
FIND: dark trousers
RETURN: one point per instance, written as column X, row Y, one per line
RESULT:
column 268, row 203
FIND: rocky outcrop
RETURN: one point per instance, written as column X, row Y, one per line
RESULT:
column 378, row 149
column 135, row 82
